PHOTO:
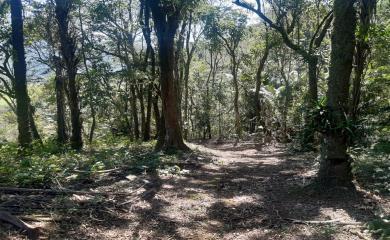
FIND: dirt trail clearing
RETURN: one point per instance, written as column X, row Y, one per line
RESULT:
column 224, row 193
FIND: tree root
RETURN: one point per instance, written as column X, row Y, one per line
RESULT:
column 32, row 232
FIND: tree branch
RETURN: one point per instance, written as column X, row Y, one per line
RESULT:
column 278, row 28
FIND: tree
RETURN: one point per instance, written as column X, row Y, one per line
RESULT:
column 229, row 28
column 166, row 17
column 68, row 51
column 366, row 11
column 285, row 26
column 269, row 44
column 20, row 69
column 335, row 163
column 190, row 48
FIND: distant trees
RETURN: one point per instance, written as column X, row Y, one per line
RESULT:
column 286, row 23
column 229, row 28
column 215, row 74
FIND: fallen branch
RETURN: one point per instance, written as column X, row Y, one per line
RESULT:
column 99, row 171
column 334, row 221
column 32, row 232
column 57, row 191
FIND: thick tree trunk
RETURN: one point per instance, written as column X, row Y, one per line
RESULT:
column 62, row 135
column 167, row 23
column 19, row 65
column 313, row 90
column 311, row 100
column 76, row 138
column 173, row 136
column 335, row 163
column 68, row 51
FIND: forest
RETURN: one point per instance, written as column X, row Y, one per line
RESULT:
column 195, row 119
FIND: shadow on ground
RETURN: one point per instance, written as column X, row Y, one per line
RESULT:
column 220, row 192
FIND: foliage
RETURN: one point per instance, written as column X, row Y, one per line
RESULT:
column 380, row 228
column 46, row 165
column 372, row 167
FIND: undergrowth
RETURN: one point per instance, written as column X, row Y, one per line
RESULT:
column 47, row 164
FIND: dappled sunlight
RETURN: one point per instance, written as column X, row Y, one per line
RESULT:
column 225, row 195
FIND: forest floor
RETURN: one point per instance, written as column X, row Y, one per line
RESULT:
column 217, row 192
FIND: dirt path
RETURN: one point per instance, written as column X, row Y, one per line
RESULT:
column 224, row 192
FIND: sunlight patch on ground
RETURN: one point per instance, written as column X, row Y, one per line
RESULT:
column 335, row 214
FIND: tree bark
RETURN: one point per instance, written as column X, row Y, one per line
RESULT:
column 68, row 51
column 362, row 50
column 19, row 65
column 134, row 111
column 259, row 72
column 160, row 124
column 311, row 100
column 90, row 81
column 62, row 135
column 166, row 24
column 335, row 163
column 33, row 127
column 140, row 93
column 237, row 117
column 146, row 133
column 147, row 32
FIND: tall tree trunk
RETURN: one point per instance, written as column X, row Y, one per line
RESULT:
column 186, row 80
column 76, row 138
column 140, row 93
column 19, row 65
column 90, row 81
column 147, row 32
column 160, row 123
column 362, row 50
column 167, row 23
column 335, row 163
column 146, row 133
column 62, row 135
column 68, row 51
column 134, row 111
column 237, row 118
column 259, row 72
column 312, row 72
column 311, row 100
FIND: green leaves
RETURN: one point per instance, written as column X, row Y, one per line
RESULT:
column 380, row 227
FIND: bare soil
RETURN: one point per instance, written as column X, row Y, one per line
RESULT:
column 218, row 192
